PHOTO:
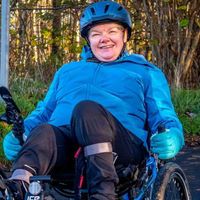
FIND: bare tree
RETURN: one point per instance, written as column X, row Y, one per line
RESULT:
column 45, row 34
column 174, row 36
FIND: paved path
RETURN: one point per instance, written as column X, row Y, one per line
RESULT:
column 189, row 160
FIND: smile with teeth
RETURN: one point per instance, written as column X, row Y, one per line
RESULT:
column 106, row 47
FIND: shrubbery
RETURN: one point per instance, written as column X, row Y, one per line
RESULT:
column 187, row 105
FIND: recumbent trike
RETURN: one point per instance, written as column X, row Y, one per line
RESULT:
column 152, row 180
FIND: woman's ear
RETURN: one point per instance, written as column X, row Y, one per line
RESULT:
column 125, row 35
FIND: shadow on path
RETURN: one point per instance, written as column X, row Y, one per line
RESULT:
column 189, row 160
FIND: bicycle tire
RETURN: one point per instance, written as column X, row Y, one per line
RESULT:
column 171, row 183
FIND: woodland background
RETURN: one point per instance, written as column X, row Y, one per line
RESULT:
column 44, row 34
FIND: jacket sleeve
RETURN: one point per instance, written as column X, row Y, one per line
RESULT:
column 44, row 108
column 160, row 110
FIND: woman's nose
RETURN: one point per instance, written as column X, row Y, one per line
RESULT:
column 105, row 38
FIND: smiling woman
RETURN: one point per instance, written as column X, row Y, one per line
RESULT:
column 108, row 103
column 107, row 41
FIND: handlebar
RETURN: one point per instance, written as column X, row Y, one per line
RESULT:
column 12, row 114
column 161, row 128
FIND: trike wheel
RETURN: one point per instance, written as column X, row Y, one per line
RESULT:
column 171, row 183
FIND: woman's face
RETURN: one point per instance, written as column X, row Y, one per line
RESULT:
column 107, row 41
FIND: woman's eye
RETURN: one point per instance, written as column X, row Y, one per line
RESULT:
column 113, row 32
column 95, row 34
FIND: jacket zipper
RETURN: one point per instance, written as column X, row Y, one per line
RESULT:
column 95, row 74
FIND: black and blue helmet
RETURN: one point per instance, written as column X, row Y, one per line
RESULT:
column 104, row 11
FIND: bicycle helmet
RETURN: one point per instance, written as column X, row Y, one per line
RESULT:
column 104, row 11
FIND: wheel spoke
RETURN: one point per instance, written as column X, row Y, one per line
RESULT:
column 175, row 189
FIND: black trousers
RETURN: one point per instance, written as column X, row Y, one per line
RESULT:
column 51, row 149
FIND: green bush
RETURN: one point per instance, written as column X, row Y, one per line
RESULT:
column 187, row 106
column 26, row 93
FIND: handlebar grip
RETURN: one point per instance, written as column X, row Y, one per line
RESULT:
column 161, row 128
column 20, row 138
column 7, row 97
column 12, row 114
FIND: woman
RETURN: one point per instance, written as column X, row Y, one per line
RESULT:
column 107, row 102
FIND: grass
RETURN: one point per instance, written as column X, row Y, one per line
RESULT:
column 27, row 92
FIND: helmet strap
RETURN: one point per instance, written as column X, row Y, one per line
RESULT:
column 125, row 39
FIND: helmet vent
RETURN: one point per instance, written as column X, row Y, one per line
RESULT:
column 120, row 8
column 93, row 11
column 106, row 8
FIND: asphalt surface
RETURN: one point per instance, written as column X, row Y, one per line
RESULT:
column 189, row 160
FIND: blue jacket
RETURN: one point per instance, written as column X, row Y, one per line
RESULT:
column 132, row 89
